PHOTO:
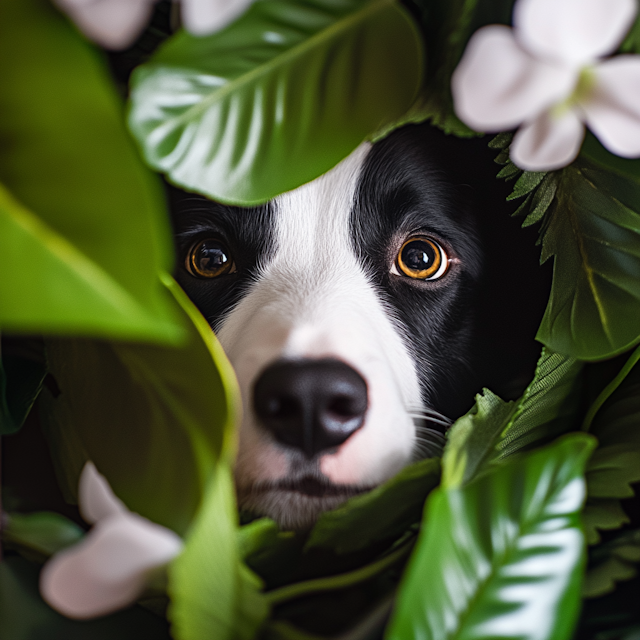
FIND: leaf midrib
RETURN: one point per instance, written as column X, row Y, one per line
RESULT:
column 280, row 60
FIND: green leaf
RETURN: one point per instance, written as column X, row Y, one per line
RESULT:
column 22, row 373
column 278, row 97
column 502, row 557
column 25, row 616
column 494, row 430
column 44, row 533
column 526, row 183
column 83, row 226
column 611, row 563
column 615, row 465
column 542, row 199
column 212, row 594
column 594, row 234
column 380, row 515
column 153, row 419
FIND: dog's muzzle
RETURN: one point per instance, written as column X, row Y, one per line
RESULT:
column 310, row 405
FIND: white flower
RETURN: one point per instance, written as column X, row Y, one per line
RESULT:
column 115, row 24
column 111, row 566
column 548, row 75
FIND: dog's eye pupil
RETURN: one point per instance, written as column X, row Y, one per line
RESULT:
column 208, row 259
column 422, row 259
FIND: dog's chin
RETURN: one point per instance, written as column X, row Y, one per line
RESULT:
column 295, row 503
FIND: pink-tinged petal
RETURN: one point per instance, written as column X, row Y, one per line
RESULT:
column 113, row 24
column 201, row 17
column 109, row 569
column 573, row 31
column 95, row 497
column 498, row 85
column 612, row 108
column 549, row 142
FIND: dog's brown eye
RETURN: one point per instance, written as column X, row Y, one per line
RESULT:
column 422, row 259
column 209, row 258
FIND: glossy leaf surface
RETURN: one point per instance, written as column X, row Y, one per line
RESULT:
column 593, row 230
column 83, row 231
column 278, row 97
column 212, row 594
column 501, row 557
column 153, row 419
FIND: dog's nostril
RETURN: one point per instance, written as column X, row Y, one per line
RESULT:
column 312, row 405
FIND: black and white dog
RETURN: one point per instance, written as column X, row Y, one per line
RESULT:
column 351, row 310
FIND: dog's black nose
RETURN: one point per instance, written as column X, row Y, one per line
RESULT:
column 312, row 405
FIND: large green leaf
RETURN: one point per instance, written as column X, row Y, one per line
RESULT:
column 593, row 230
column 494, row 429
column 153, row 419
column 212, row 594
column 278, row 97
column 85, row 234
column 502, row 557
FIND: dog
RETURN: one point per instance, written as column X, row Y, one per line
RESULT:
column 351, row 311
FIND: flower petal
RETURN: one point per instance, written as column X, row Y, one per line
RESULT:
column 109, row 569
column 612, row 109
column 573, row 31
column 95, row 497
column 113, row 24
column 548, row 142
column 498, row 85
column 202, row 17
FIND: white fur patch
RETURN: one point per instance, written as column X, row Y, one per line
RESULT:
column 313, row 300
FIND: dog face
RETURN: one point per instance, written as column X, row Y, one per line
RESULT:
column 346, row 307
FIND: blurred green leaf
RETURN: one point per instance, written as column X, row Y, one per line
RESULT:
column 25, row 616
column 379, row 515
column 494, row 429
column 278, row 97
column 85, row 233
column 44, row 533
column 593, row 231
column 612, row 562
column 212, row 594
column 503, row 556
column 615, row 464
column 153, row 419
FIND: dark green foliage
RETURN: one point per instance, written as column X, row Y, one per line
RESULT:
column 24, row 616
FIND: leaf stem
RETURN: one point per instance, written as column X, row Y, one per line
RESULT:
column 610, row 388
column 341, row 581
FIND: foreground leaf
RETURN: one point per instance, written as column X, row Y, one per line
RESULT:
column 153, row 419
column 593, row 230
column 278, row 97
column 502, row 557
column 85, row 233
column 494, row 430
column 212, row 594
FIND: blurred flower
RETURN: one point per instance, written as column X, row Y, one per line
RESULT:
column 115, row 24
column 547, row 74
column 110, row 568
